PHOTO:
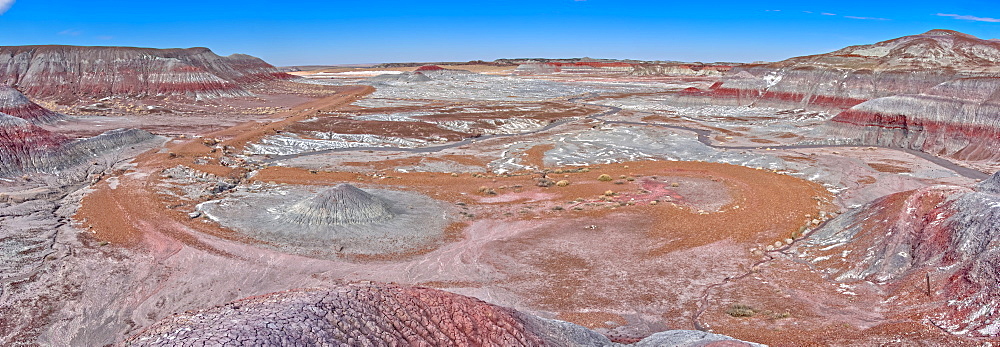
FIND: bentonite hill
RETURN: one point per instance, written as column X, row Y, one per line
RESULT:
column 178, row 197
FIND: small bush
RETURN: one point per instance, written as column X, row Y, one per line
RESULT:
column 604, row 178
column 741, row 310
column 562, row 183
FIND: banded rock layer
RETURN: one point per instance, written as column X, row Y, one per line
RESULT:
column 946, row 239
column 382, row 315
column 844, row 78
column 25, row 147
column 65, row 71
column 13, row 103
column 958, row 118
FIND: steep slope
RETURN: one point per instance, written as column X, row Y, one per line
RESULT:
column 25, row 147
column 844, row 78
column 383, row 315
column 939, row 242
column 959, row 118
column 13, row 103
column 22, row 144
column 65, row 71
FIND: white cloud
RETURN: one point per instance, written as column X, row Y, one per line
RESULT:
column 5, row 5
column 70, row 32
column 972, row 18
column 828, row 14
column 866, row 18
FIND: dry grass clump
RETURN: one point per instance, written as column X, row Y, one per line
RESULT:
column 741, row 310
column 604, row 178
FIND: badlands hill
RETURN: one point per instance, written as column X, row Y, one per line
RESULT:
column 26, row 147
column 935, row 49
column 376, row 314
column 13, row 103
column 937, row 92
column 943, row 240
column 850, row 76
column 66, row 71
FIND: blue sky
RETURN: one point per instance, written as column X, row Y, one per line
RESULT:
column 336, row 32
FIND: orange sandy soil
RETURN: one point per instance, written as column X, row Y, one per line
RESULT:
column 587, row 255
column 608, row 234
column 133, row 212
column 797, row 306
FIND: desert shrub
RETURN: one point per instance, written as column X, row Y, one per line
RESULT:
column 604, row 178
column 741, row 310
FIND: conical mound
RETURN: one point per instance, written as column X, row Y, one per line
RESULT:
column 342, row 204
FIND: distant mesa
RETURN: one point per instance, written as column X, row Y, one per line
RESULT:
column 75, row 71
column 13, row 103
column 841, row 79
column 342, row 204
column 377, row 314
column 621, row 67
column 429, row 68
column 937, row 92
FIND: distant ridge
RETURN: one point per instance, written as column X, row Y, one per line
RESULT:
column 79, row 71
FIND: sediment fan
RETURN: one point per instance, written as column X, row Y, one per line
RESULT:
column 342, row 204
